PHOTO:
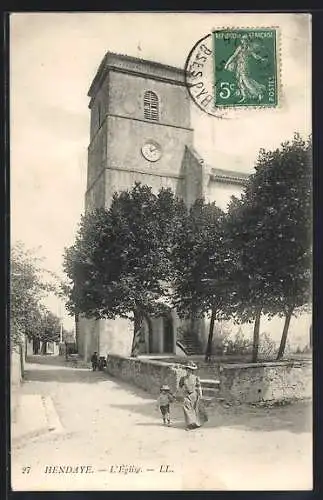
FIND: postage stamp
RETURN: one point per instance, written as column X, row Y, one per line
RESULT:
column 245, row 67
column 234, row 69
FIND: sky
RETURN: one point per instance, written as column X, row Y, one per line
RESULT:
column 53, row 59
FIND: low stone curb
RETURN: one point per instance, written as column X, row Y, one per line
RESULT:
column 270, row 403
column 54, row 423
column 53, row 426
column 19, row 440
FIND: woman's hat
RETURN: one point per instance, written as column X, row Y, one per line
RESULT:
column 191, row 365
column 165, row 388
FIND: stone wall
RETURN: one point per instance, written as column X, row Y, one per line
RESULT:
column 244, row 383
column 17, row 363
column 275, row 381
column 17, row 367
column 145, row 373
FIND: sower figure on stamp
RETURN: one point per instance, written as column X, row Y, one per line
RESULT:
column 192, row 392
column 239, row 64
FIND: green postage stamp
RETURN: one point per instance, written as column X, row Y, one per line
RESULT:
column 245, row 67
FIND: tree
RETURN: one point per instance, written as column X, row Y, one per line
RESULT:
column 46, row 329
column 29, row 284
column 27, row 288
column 249, row 299
column 283, row 182
column 269, row 230
column 200, row 284
column 50, row 329
column 120, row 263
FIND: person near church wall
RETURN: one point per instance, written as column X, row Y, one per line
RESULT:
column 94, row 361
column 194, row 412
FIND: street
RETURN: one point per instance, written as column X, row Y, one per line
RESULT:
column 114, row 434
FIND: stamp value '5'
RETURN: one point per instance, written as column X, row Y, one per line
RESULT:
column 245, row 67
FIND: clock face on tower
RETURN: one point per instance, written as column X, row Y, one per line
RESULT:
column 151, row 150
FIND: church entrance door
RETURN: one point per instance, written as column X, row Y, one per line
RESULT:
column 145, row 342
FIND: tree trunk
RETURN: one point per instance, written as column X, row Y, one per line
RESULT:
column 77, row 331
column 36, row 346
column 138, row 318
column 43, row 348
column 256, row 331
column 282, row 346
column 208, row 352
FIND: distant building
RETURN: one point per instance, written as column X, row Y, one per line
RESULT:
column 69, row 337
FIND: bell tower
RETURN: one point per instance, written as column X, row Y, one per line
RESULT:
column 140, row 127
column 140, row 132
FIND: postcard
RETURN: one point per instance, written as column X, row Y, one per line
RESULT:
column 161, row 329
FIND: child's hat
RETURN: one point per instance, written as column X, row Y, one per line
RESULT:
column 165, row 388
column 191, row 365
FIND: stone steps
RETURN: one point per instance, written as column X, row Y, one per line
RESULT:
column 212, row 383
column 210, row 390
column 208, row 372
column 191, row 345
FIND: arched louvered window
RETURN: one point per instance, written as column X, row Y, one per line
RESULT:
column 151, row 106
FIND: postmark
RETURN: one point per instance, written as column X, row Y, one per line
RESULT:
column 199, row 75
column 230, row 70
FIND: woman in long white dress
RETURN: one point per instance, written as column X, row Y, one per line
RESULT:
column 239, row 64
column 192, row 392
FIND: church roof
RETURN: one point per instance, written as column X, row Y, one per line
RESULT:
column 230, row 176
column 220, row 174
column 136, row 66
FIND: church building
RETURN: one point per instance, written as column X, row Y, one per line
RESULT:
column 141, row 131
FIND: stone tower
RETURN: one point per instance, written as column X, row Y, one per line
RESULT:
column 140, row 128
column 140, row 131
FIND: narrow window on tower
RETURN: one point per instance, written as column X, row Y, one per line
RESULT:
column 151, row 106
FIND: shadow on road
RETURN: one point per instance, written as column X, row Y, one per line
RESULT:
column 65, row 376
column 50, row 368
column 294, row 418
column 173, row 425
column 149, row 409
column 47, row 359
column 131, row 389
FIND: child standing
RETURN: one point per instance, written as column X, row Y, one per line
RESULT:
column 164, row 400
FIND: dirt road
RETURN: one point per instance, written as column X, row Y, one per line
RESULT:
column 114, row 431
